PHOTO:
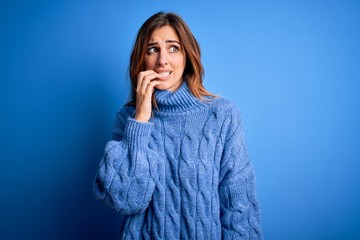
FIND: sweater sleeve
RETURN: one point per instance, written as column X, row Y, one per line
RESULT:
column 239, row 207
column 125, row 180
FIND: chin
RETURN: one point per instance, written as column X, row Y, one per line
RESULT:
column 169, row 86
column 161, row 87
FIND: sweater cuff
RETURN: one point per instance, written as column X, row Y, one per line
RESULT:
column 137, row 134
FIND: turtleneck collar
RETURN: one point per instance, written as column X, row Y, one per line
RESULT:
column 179, row 101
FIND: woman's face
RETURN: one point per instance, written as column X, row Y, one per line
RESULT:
column 166, row 56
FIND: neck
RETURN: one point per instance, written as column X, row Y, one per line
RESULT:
column 179, row 101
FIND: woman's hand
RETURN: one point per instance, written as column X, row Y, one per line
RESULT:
column 146, row 82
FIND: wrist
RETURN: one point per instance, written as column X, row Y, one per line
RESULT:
column 142, row 117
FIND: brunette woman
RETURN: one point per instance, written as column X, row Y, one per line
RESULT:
column 177, row 167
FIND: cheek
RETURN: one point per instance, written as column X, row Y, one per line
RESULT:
column 150, row 63
column 180, row 63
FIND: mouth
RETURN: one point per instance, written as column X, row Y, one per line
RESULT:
column 165, row 74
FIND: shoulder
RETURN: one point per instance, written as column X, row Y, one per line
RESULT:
column 225, row 107
column 125, row 112
column 120, row 121
column 228, row 113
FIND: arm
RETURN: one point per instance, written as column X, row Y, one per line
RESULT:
column 127, row 174
column 239, row 207
column 126, row 177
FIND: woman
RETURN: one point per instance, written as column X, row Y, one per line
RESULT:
column 177, row 167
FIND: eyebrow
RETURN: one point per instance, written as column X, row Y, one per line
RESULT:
column 166, row 41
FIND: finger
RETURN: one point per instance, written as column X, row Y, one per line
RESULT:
column 140, row 78
column 144, row 82
column 142, row 75
column 151, row 73
column 147, row 94
column 151, row 87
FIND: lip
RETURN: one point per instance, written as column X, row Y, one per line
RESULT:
column 164, row 73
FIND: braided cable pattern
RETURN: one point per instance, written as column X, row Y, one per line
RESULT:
column 184, row 175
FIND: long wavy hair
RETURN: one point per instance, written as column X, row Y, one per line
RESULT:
column 193, row 72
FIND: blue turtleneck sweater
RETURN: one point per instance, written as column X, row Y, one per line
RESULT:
column 183, row 175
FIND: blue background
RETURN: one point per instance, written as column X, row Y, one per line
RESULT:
column 292, row 67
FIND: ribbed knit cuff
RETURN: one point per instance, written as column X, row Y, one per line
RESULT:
column 137, row 134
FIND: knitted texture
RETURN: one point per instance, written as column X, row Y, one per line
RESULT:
column 183, row 175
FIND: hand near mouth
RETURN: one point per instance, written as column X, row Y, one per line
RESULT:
column 146, row 83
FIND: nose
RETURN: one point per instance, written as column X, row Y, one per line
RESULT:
column 162, row 58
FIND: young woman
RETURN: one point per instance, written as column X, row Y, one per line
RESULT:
column 177, row 167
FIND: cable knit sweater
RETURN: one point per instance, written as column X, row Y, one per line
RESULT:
column 183, row 175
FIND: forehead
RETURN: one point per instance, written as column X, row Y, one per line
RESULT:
column 163, row 34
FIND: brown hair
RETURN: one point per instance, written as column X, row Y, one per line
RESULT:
column 193, row 72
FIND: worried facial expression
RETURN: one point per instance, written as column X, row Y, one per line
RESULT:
column 165, row 55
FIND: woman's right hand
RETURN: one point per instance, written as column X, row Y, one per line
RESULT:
column 146, row 82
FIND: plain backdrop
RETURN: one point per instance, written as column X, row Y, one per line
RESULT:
column 292, row 67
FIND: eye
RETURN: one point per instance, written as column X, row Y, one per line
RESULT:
column 173, row 49
column 152, row 50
